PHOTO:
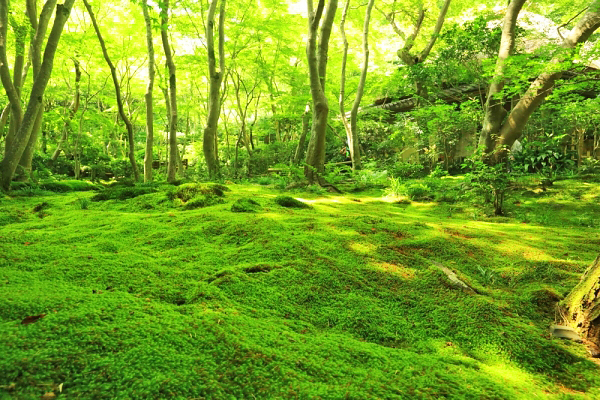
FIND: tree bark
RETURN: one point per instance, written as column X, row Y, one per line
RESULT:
column 215, row 80
column 581, row 308
column 510, row 129
column 351, row 128
column 113, row 73
column 13, row 155
column 39, row 27
column 148, row 155
column 73, row 108
column 494, row 105
column 173, row 151
column 305, row 129
column 317, row 67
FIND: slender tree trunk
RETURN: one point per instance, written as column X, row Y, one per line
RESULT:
column 351, row 128
column 113, row 72
column 13, row 155
column 305, row 129
column 74, row 107
column 215, row 81
column 173, row 151
column 148, row 156
column 317, row 67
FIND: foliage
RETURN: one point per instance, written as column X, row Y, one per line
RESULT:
column 545, row 155
column 123, row 193
column 419, row 192
column 203, row 200
column 492, row 182
column 188, row 191
column 406, row 170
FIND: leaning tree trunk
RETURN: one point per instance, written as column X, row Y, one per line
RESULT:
column 148, row 97
column 317, row 68
column 36, row 54
column 215, row 80
column 510, row 129
column 173, row 151
column 13, row 155
column 113, row 73
column 581, row 308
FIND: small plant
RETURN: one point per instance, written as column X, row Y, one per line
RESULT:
column 419, row 192
column 264, row 180
column 407, row 170
column 82, row 203
column 438, row 172
column 491, row 181
column 290, row 202
column 487, row 276
column 395, row 189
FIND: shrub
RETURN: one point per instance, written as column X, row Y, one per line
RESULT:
column 290, row 202
column 395, row 189
column 419, row 192
column 245, row 205
column 58, row 187
column 407, row 170
column 493, row 182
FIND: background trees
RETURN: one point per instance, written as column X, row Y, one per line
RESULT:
column 244, row 79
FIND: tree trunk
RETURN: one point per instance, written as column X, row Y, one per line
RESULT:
column 352, row 129
column 72, row 111
column 494, row 105
column 215, row 79
column 13, row 155
column 305, row 129
column 581, row 308
column 509, row 130
column 317, row 67
column 173, row 151
column 36, row 54
column 148, row 155
column 113, row 73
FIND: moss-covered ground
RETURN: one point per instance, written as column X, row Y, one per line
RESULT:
column 147, row 298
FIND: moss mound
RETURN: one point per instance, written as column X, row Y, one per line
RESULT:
column 123, row 193
column 203, row 200
column 245, row 205
column 290, row 202
column 188, row 191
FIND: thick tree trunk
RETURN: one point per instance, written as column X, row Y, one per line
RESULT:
column 317, row 67
column 36, row 53
column 13, row 155
column 113, row 73
column 148, row 155
column 502, row 134
column 581, row 308
column 215, row 80
column 173, row 151
column 494, row 105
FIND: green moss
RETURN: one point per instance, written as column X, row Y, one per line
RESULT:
column 203, row 200
column 245, row 205
column 146, row 300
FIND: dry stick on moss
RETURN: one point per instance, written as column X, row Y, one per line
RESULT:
column 113, row 73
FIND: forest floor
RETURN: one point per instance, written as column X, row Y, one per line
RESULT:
column 146, row 299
